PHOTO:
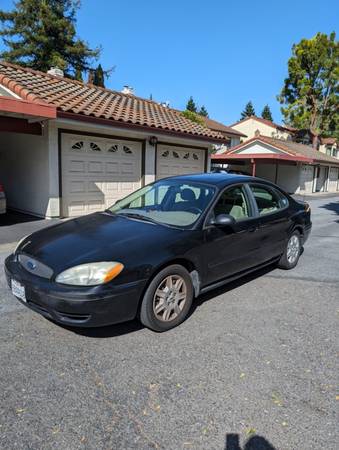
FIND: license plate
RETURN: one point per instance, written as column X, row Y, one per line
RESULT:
column 18, row 290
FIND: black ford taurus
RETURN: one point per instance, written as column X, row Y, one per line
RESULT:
column 153, row 252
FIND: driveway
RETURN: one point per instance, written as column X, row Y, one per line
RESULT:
column 256, row 362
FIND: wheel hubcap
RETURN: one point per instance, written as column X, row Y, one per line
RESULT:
column 293, row 248
column 170, row 298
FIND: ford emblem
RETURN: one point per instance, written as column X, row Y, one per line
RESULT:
column 31, row 265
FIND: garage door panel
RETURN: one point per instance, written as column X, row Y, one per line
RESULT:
column 175, row 160
column 97, row 172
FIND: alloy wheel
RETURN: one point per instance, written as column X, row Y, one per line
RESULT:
column 169, row 298
column 293, row 248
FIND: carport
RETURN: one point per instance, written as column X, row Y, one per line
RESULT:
column 23, row 155
column 295, row 167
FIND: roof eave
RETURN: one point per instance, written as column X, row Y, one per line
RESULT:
column 128, row 125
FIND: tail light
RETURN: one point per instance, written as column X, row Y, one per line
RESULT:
column 307, row 207
column 2, row 188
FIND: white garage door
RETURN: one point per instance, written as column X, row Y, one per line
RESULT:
column 306, row 179
column 179, row 161
column 96, row 172
column 333, row 184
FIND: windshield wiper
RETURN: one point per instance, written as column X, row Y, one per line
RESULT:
column 137, row 216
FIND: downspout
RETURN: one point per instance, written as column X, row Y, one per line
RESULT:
column 253, row 167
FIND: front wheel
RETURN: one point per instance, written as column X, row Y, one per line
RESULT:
column 167, row 299
column 291, row 255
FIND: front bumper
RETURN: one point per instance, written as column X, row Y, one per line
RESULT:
column 70, row 305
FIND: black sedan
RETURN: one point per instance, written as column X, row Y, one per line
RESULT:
column 153, row 252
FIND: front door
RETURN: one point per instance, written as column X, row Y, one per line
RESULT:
column 229, row 251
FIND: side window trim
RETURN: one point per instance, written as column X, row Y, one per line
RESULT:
column 273, row 191
column 250, row 203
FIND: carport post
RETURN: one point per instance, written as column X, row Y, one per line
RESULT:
column 253, row 167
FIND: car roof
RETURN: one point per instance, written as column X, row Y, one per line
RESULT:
column 214, row 179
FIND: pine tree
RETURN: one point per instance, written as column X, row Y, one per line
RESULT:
column 41, row 34
column 266, row 113
column 99, row 77
column 203, row 112
column 248, row 111
column 191, row 106
column 78, row 74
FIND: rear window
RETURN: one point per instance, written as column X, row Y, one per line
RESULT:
column 268, row 200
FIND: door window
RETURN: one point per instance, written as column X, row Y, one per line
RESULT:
column 268, row 200
column 233, row 201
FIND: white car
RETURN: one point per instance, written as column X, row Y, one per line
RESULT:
column 2, row 200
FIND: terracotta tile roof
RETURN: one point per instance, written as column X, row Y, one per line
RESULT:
column 328, row 140
column 70, row 96
column 289, row 147
column 266, row 122
column 217, row 126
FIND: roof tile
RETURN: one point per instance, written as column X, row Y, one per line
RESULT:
column 80, row 98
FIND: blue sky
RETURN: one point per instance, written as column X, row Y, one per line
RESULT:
column 223, row 53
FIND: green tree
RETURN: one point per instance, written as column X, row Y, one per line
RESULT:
column 266, row 113
column 203, row 112
column 193, row 117
column 191, row 106
column 99, row 77
column 41, row 34
column 310, row 92
column 248, row 111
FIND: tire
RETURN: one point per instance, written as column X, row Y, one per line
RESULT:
column 167, row 299
column 291, row 255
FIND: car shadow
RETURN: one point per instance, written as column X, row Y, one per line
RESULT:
column 13, row 218
column 230, row 286
column 134, row 325
column 332, row 206
column 255, row 442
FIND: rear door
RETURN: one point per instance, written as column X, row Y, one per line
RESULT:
column 274, row 220
column 230, row 251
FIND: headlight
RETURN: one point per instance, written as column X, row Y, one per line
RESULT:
column 90, row 274
column 19, row 243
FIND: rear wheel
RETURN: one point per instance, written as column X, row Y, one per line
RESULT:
column 167, row 299
column 292, row 252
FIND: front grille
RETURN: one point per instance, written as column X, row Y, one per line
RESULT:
column 34, row 266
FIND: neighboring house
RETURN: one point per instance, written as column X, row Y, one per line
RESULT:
column 69, row 148
column 234, row 137
column 251, row 126
column 329, row 146
column 296, row 167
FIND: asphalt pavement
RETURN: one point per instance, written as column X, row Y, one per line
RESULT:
column 254, row 367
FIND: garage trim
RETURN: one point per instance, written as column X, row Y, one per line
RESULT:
column 62, row 131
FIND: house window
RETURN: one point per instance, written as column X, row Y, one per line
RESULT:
column 78, row 145
column 95, row 147
column 113, row 148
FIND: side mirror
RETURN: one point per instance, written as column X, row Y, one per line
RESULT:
column 224, row 220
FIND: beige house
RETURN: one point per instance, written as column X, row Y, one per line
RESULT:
column 252, row 126
column 68, row 148
column 329, row 146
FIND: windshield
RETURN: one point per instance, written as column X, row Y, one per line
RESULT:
column 168, row 202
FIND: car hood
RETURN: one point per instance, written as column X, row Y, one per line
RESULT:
column 97, row 237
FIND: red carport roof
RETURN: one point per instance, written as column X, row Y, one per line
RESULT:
column 25, row 109
column 289, row 151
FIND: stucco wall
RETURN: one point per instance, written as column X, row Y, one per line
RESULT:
column 249, row 127
column 24, row 172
